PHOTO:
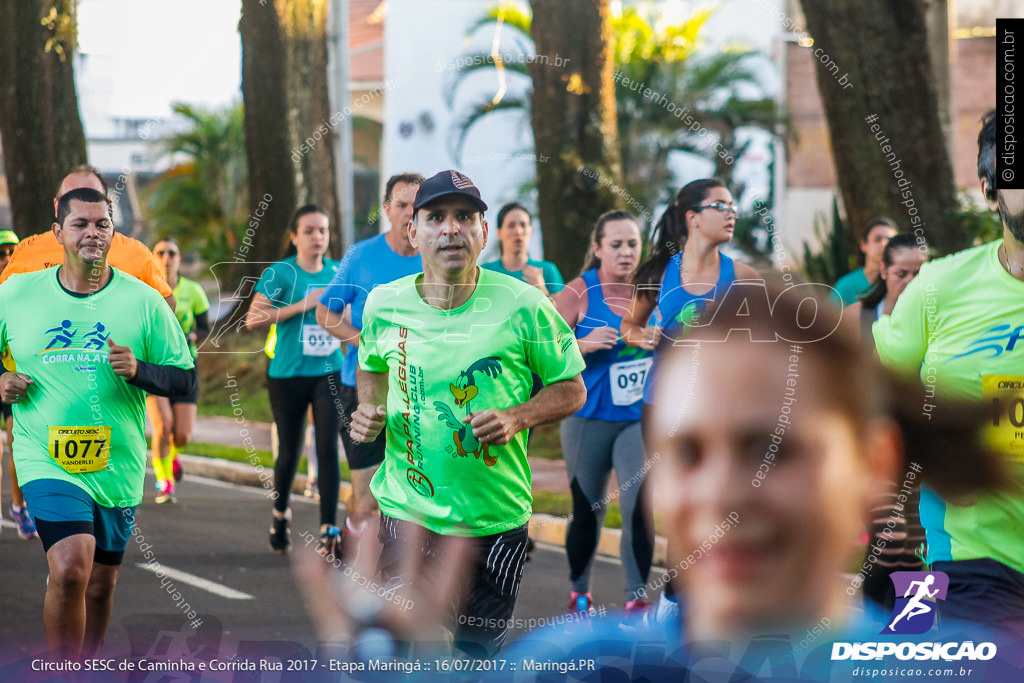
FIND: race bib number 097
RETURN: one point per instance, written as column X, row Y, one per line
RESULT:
column 80, row 449
column 628, row 380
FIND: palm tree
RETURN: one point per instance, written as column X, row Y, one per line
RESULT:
column 201, row 201
column 663, row 90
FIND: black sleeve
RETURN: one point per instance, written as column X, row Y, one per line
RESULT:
column 164, row 380
column 202, row 328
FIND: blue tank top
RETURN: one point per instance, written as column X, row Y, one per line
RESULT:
column 615, row 377
column 677, row 308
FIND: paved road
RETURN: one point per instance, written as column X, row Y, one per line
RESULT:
column 243, row 594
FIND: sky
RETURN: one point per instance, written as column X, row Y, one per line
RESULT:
column 149, row 53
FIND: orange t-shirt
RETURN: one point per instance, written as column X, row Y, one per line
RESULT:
column 128, row 255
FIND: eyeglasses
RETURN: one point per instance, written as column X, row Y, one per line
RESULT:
column 169, row 253
column 721, row 206
column 6, row 253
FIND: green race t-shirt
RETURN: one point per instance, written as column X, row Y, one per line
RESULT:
column 958, row 326
column 60, row 341
column 441, row 366
column 303, row 348
column 552, row 278
column 189, row 301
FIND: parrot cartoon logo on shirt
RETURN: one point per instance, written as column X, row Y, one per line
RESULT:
column 464, row 389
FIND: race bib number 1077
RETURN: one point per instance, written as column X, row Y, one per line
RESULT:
column 80, row 449
column 1005, row 393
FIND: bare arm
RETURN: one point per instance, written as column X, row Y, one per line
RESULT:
column 635, row 331
column 337, row 323
column 171, row 301
column 552, row 403
column 745, row 272
column 371, row 414
column 571, row 303
column 263, row 314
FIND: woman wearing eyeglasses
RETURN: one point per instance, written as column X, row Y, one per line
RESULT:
column 686, row 270
column 174, row 417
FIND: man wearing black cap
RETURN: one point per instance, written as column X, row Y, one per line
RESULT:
column 445, row 363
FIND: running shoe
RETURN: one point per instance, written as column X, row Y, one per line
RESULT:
column 667, row 611
column 280, row 537
column 26, row 527
column 166, row 492
column 312, row 489
column 331, row 543
column 580, row 602
column 177, row 469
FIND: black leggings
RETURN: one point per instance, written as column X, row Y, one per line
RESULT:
column 289, row 401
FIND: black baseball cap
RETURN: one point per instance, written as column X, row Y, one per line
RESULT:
column 444, row 184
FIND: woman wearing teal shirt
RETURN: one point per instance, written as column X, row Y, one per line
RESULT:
column 304, row 370
column 514, row 232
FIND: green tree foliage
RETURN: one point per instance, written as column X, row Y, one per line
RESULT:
column 834, row 259
column 202, row 199
column 663, row 90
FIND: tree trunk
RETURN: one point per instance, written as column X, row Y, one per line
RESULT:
column 39, row 123
column 579, row 176
column 309, row 111
column 873, row 61
column 267, row 148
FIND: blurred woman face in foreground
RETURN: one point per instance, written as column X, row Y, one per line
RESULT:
column 786, row 445
column 779, row 565
column 788, row 441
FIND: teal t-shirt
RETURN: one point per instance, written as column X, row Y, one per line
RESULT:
column 552, row 278
column 441, row 366
column 958, row 325
column 850, row 286
column 60, row 341
column 303, row 348
column 189, row 301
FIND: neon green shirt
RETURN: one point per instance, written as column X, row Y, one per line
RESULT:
column 958, row 326
column 189, row 301
column 60, row 342
column 441, row 366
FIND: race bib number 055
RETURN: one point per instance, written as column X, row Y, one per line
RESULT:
column 80, row 449
column 1006, row 394
column 316, row 341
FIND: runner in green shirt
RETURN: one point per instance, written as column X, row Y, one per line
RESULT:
column 958, row 326
column 446, row 359
column 84, row 366
column 174, row 417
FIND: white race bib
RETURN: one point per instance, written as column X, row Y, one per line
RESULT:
column 628, row 380
column 316, row 341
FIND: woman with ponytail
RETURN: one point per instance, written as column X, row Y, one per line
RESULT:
column 686, row 270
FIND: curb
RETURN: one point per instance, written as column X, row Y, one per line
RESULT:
column 544, row 528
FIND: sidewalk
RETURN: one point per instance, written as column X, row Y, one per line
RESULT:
column 548, row 475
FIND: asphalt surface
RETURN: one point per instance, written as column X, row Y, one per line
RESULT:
column 212, row 549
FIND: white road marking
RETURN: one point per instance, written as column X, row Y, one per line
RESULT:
column 197, row 581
